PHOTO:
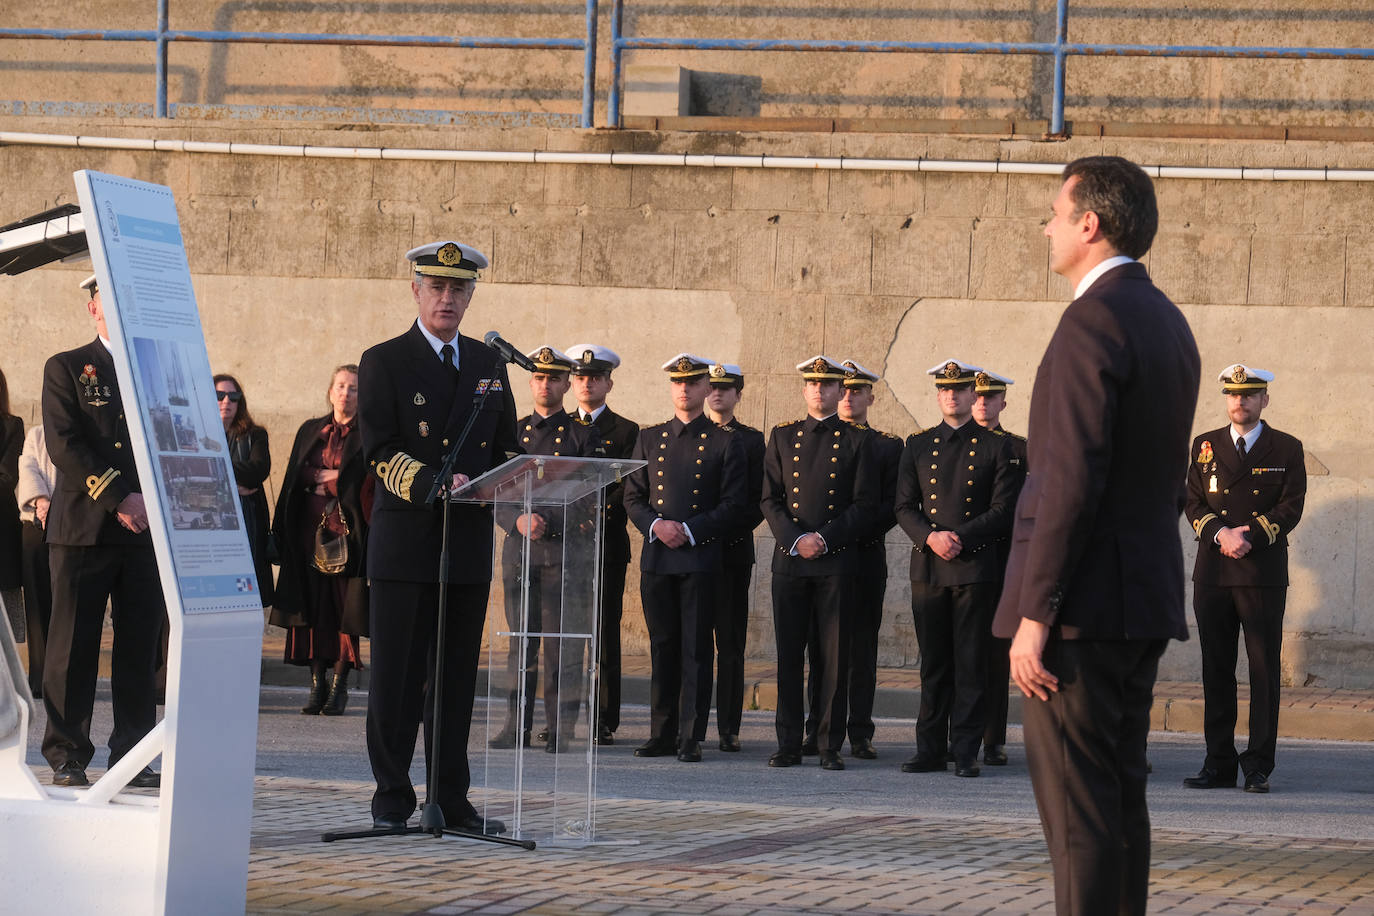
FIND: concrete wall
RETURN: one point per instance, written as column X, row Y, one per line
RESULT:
column 298, row 266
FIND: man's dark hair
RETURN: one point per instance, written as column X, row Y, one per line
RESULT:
column 1122, row 196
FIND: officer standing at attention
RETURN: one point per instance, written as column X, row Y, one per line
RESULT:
column 821, row 490
column 548, row 430
column 614, row 437
column 991, row 400
column 415, row 394
column 100, row 550
column 1246, row 486
column 731, row 619
column 684, row 501
column 956, row 492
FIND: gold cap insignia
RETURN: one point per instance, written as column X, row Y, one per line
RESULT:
column 983, row 379
column 717, row 372
column 587, row 356
column 546, row 355
column 1238, row 374
column 819, row 365
column 684, row 365
column 951, row 370
column 449, row 254
column 850, row 369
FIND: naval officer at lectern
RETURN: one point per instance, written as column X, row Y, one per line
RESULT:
column 415, row 394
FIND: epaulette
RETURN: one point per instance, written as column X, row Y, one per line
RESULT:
column 998, row 432
column 788, row 423
column 890, row 436
column 1011, row 435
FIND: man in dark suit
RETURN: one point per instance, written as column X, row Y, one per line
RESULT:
column 100, row 550
column 991, row 390
column 731, row 618
column 1094, row 583
column 684, row 501
column 956, row 488
column 1246, row 486
column 415, row 394
column 821, row 490
column 548, row 430
column 614, row 437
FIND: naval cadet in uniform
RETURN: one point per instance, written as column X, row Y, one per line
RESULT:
column 991, row 391
column 956, row 492
column 685, row 500
column 613, row 437
column 415, row 394
column 100, row 551
column 1246, row 486
column 731, row 620
column 548, row 430
column 821, row 489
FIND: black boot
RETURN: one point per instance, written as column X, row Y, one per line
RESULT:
column 338, row 696
column 319, row 687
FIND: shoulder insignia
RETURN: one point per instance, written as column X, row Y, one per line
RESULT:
column 997, row 432
column 788, row 423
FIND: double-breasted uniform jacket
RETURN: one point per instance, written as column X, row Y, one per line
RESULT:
column 1017, row 444
column 697, row 474
column 560, row 435
column 819, row 475
column 962, row 481
column 291, row 608
column 88, row 441
column 410, row 410
column 1266, row 491
column 887, row 454
column 739, row 541
column 613, row 436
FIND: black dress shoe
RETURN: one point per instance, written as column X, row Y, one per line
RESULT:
column 810, row 746
column 604, row 736
column 925, row 763
column 657, row 747
column 967, row 768
column 863, row 749
column 690, row 751
column 556, row 744
column 146, row 779
column 1208, row 778
column 71, row 774
column 505, row 738
column 729, row 743
column 785, row 758
column 995, row 755
column 831, row 760
column 473, row 823
column 389, row 822
column 1257, row 783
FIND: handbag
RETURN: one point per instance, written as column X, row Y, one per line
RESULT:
column 331, row 548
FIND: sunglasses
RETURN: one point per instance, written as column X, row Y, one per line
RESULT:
column 233, row 396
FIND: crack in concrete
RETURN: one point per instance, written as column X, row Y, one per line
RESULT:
column 887, row 359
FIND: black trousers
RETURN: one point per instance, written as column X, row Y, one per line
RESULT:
column 731, row 625
column 83, row 579
column 678, row 610
column 1222, row 613
column 870, row 589
column 953, row 625
column 563, row 659
column 608, row 643
column 801, row 603
column 1085, row 748
column 996, row 693
column 37, row 601
column 401, row 691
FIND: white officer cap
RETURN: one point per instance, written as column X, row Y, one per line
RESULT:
column 953, row 372
column 820, row 368
column 592, row 359
column 1239, row 377
column 448, row 259
column 550, row 359
column 857, row 376
column 686, row 365
column 727, row 375
column 987, row 382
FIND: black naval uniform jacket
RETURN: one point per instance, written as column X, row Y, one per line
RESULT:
column 1265, row 491
column 613, row 436
column 739, row 541
column 696, row 474
column 887, row 454
column 962, row 481
column 819, row 475
column 1017, row 444
column 410, row 410
column 559, row 435
column 88, row 440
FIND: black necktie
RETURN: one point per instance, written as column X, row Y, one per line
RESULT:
column 1240, row 446
column 446, row 353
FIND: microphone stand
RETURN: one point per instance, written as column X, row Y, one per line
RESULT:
column 431, row 815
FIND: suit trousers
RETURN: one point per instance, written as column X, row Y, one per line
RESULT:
column 1085, row 748
column 801, row 604
column 953, row 626
column 1222, row 612
column 83, row 578
column 731, row 625
column 608, row 643
column 678, row 609
column 37, row 602
column 401, row 691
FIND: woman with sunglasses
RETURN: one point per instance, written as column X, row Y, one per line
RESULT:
column 251, row 460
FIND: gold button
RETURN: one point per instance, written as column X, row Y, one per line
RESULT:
column 971, row 454
column 1256, row 492
column 660, row 486
column 798, row 474
column 121, row 445
column 526, row 439
column 831, row 492
column 557, row 440
column 696, row 493
column 834, row 460
column 665, row 434
column 975, row 440
column 660, row 502
column 445, row 442
column 968, row 515
column 796, row 489
column 936, row 440
column 932, row 480
column 837, row 433
column 662, row 445
column 694, row 505
column 970, row 483
column 796, row 505
column 698, row 461
column 933, row 511
column 934, row 453
column 968, row 499
column 836, row 445
column 934, row 496
column 796, row 445
column 660, row 473
column 932, row 467
column 701, row 448
column 796, row 457
column 560, row 429
column 1227, row 492
column 1254, row 514
column 970, row 467
column 1223, row 511
column 697, row 476
column 528, row 427
column 483, row 445
column 799, row 432
column 703, row 435
column 661, row 458
column 830, row 507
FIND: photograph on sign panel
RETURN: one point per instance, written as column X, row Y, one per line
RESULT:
column 200, row 493
column 172, row 396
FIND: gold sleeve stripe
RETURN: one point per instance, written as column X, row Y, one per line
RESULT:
column 1270, row 529
column 408, row 478
column 96, row 485
column 398, row 474
column 1202, row 523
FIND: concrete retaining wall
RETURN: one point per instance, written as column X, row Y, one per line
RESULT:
column 298, row 266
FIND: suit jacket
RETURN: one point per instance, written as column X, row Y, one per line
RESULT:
column 1095, row 548
column 614, row 437
column 557, row 434
column 739, row 542
column 962, row 481
column 887, row 456
column 819, row 475
column 88, row 441
column 410, row 409
column 697, row 473
column 1265, row 491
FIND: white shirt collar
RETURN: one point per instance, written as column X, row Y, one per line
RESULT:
column 592, row 415
column 108, row 349
column 436, row 344
column 1091, row 276
column 1250, row 438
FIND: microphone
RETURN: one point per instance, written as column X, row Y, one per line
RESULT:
column 507, row 352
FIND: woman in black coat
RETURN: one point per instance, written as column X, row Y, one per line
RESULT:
column 251, row 460
column 324, row 614
column 11, row 539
